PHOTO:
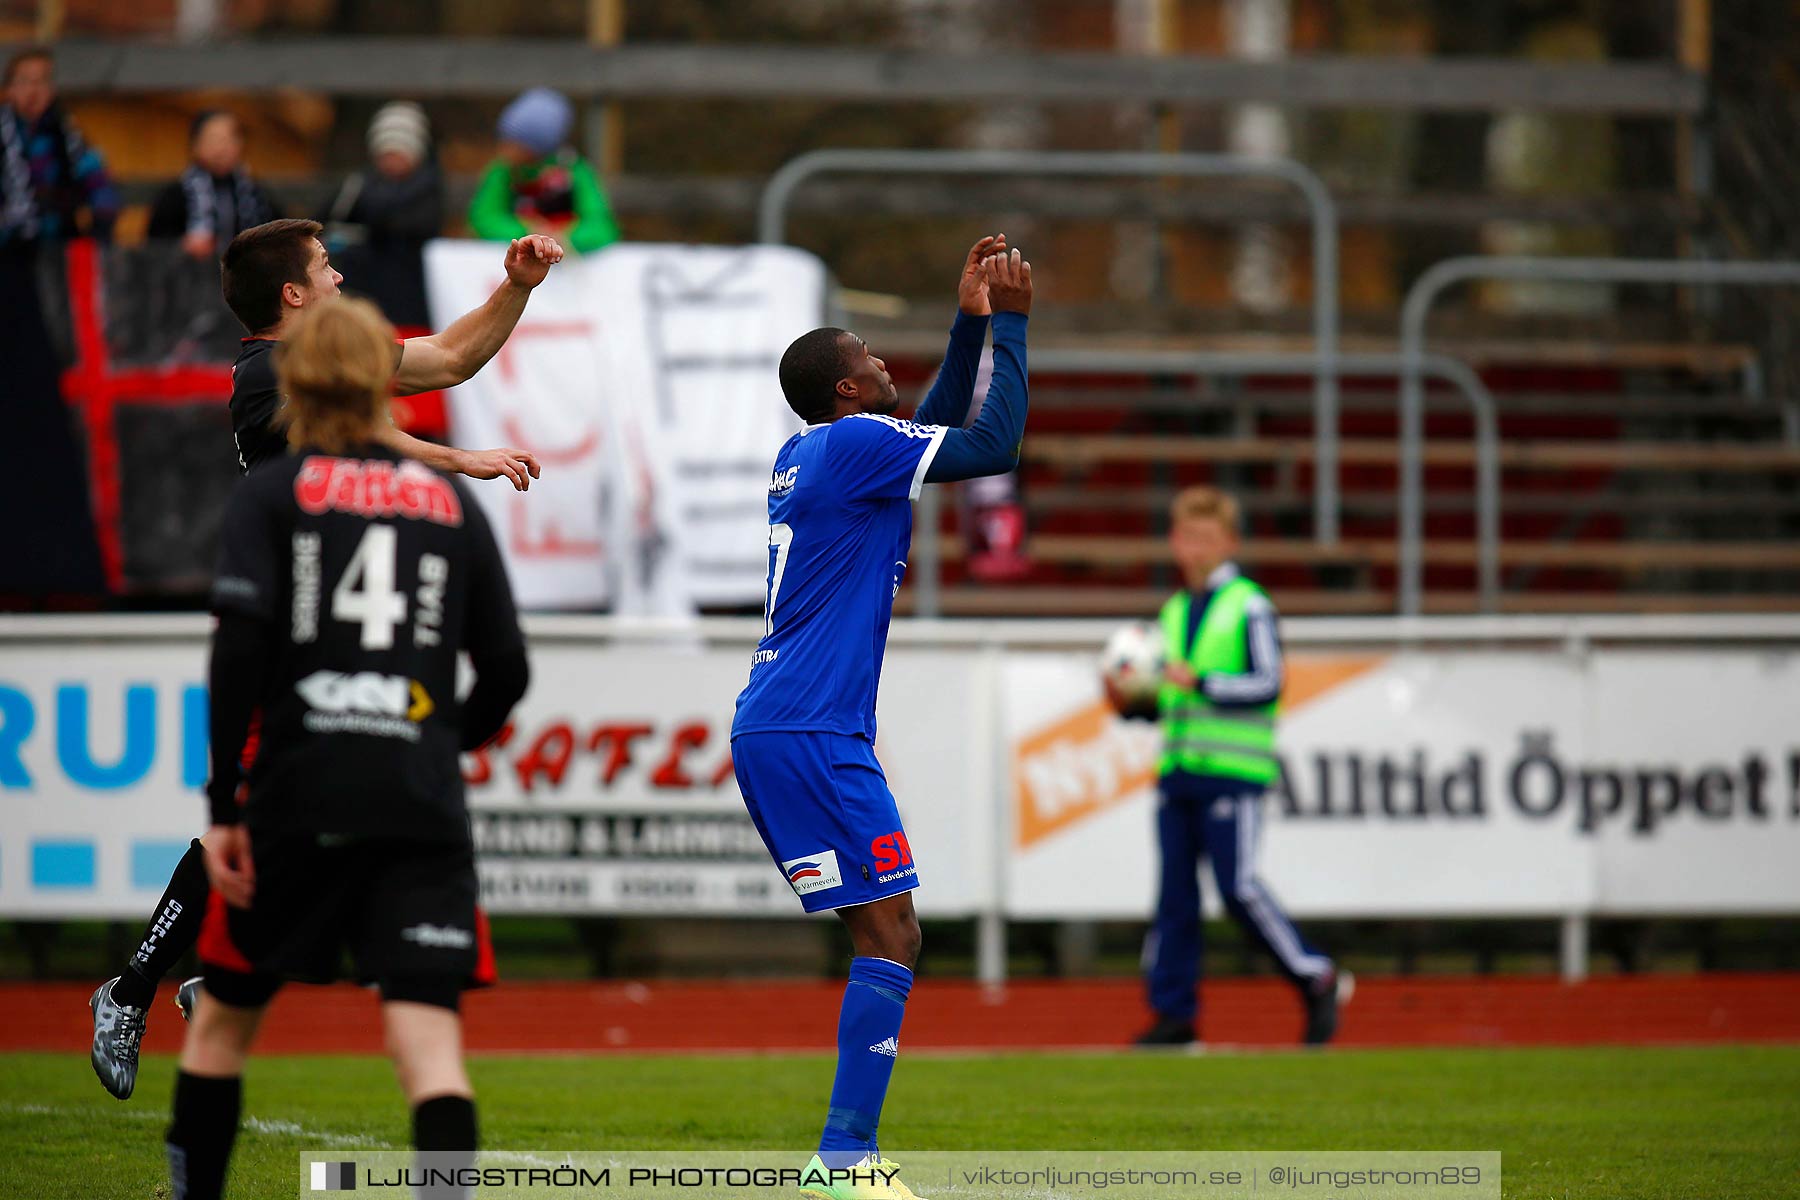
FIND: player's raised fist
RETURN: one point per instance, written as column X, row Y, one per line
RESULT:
column 971, row 288
column 529, row 259
column 1008, row 282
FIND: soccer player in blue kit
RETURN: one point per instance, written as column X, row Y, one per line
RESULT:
column 803, row 742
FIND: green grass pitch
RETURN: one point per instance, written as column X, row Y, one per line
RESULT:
column 1573, row 1124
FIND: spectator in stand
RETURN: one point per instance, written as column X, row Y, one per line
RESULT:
column 48, row 176
column 539, row 184
column 377, row 227
column 51, row 176
column 53, row 186
column 216, row 198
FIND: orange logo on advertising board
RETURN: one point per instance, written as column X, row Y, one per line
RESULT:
column 1084, row 763
column 1078, row 767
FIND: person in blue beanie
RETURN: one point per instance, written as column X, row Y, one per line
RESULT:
column 539, row 184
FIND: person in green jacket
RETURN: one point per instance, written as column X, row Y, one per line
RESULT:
column 538, row 184
column 1217, row 706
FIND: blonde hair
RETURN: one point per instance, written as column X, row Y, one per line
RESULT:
column 336, row 369
column 1205, row 504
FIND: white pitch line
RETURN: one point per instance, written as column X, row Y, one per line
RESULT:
column 263, row 1125
column 292, row 1129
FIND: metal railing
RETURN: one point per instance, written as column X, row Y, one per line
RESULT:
column 778, row 193
column 1440, row 276
column 1111, row 362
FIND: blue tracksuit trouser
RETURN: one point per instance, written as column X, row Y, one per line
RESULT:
column 1210, row 817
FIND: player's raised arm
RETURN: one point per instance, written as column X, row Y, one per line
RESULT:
column 446, row 359
column 991, row 445
column 951, row 393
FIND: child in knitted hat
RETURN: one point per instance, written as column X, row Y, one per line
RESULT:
column 539, row 184
column 399, row 139
column 377, row 227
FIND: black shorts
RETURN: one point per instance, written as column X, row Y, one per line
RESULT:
column 404, row 911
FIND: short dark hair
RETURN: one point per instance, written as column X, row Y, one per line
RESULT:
column 28, row 54
column 261, row 259
column 205, row 115
column 810, row 369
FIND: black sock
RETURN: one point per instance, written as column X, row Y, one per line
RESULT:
column 444, row 1136
column 174, row 928
column 444, row 1123
column 201, row 1133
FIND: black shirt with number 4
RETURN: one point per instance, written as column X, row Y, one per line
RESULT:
column 365, row 574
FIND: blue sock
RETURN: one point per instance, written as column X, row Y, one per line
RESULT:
column 868, row 1043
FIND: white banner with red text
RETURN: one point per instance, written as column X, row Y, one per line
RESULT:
column 643, row 378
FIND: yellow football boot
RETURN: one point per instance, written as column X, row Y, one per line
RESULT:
column 885, row 1184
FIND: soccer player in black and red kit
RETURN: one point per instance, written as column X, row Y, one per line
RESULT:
column 272, row 274
column 349, row 580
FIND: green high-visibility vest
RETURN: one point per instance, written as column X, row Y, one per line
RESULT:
column 1198, row 736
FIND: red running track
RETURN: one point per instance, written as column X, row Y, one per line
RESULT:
column 752, row 1016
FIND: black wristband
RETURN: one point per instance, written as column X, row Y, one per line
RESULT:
column 223, row 805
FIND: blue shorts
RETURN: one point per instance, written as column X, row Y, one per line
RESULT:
column 824, row 810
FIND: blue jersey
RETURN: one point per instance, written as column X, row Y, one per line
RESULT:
column 840, row 528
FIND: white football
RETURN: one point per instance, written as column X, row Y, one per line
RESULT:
column 1133, row 661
